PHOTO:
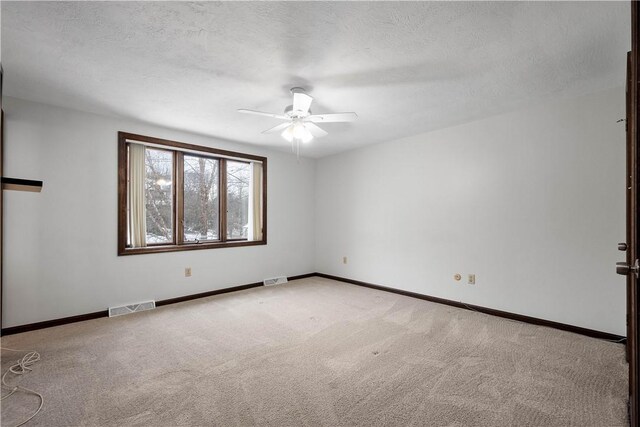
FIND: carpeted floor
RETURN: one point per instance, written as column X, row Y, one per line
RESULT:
column 318, row 352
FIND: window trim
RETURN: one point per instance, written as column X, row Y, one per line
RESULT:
column 180, row 148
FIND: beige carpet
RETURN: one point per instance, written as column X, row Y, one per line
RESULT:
column 318, row 352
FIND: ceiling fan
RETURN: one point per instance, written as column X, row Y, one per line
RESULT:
column 300, row 125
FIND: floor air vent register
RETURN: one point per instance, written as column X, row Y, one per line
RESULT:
column 275, row 281
column 131, row 308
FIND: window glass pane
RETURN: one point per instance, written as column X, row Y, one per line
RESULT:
column 238, row 191
column 201, row 199
column 159, row 195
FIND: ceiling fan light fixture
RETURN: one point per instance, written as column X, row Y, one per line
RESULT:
column 307, row 138
column 297, row 131
column 288, row 134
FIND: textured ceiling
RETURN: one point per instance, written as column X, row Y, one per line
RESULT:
column 405, row 68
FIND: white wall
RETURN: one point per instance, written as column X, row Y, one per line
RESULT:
column 61, row 244
column 532, row 202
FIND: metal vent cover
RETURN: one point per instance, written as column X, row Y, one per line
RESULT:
column 275, row 281
column 131, row 308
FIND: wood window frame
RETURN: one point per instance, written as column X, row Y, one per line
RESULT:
column 179, row 149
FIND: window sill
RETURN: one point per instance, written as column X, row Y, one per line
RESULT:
column 188, row 247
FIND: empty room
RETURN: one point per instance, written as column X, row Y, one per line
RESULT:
column 319, row 213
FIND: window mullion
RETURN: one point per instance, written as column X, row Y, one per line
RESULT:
column 179, row 196
column 222, row 180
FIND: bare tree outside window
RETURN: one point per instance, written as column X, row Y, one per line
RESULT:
column 159, row 195
column 201, row 198
column 238, row 191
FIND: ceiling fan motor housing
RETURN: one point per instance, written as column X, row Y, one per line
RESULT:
column 300, row 113
column 288, row 111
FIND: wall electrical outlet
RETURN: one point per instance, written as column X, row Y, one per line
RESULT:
column 344, row 259
column 472, row 279
column 457, row 277
column 187, row 272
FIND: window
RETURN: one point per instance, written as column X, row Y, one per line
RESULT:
column 158, row 193
column 201, row 199
column 174, row 196
column 238, row 189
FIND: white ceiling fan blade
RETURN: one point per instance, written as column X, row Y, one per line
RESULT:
column 301, row 102
column 281, row 126
column 316, row 131
column 262, row 113
column 333, row 117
